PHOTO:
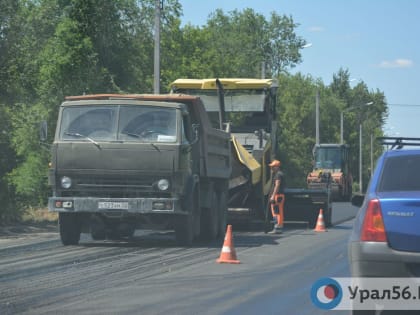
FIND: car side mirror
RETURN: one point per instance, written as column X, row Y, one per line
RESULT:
column 357, row 200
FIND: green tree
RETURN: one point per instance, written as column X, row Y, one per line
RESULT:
column 365, row 108
column 248, row 42
column 297, row 123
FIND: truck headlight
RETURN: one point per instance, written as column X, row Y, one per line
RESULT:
column 163, row 184
column 65, row 182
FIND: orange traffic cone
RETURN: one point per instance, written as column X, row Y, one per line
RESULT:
column 228, row 253
column 320, row 224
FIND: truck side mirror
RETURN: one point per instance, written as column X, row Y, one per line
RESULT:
column 43, row 131
column 196, row 136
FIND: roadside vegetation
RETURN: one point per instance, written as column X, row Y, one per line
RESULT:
column 53, row 48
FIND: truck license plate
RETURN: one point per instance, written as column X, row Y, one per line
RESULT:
column 112, row 205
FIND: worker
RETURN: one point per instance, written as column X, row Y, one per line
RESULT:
column 277, row 197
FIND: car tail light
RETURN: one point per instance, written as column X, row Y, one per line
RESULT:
column 373, row 229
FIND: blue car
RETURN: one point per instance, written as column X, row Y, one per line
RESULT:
column 385, row 240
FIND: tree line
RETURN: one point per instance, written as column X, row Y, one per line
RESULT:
column 53, row 48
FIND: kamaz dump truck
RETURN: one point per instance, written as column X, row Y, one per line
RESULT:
column 247, row 108
column 331, row 170
column 126, row 162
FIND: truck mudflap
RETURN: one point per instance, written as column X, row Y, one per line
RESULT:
column 304, row 205
column 115, row 205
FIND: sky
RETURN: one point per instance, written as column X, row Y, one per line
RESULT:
column 377, row 41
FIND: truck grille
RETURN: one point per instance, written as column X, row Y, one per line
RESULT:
column 113, row 187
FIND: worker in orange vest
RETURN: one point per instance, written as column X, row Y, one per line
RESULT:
column 277, row 197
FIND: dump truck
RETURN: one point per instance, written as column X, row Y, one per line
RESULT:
column 136, row 161
column 247, row 109
column 331, row 170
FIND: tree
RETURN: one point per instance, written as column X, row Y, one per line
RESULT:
column 356, row 98
column 248, row 42
column 296, row 111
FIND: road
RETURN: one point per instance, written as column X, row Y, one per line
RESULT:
column 151, row 275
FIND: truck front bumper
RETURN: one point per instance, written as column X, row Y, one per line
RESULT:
column 116, row 205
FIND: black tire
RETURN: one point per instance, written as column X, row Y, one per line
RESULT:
column 98, row 235
column 97, row 228
column 126, row 230
column 70, row 228
column 117, row 232
column 328, row 218
column 223, row 213
column 184, row 230
column 210, row 220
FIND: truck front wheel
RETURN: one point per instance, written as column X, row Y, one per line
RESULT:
column 70, row 228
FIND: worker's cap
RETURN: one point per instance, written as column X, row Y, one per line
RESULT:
column 274, row 163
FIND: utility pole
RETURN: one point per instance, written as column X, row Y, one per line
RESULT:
column 317, row 117
column 156, row 68
column 262, row 69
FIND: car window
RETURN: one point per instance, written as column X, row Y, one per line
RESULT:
column 400, row 173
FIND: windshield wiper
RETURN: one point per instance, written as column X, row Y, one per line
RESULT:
column 76, row 134
column 135, row 135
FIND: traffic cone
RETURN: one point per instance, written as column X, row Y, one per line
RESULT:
column 228, row 253
column 320, row 224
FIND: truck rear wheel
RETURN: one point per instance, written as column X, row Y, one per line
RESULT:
column 223, row 212
column 210, row 220
column 184, row 230
column 70, row 228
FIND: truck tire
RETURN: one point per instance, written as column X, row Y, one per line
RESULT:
column 97, row 228
column 210, row 220
column 184, row 230
column 120, row 230
column 328, row 218
column 70, row 228
column 223, row 212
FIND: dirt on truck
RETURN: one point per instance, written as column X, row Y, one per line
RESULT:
column 126, row 162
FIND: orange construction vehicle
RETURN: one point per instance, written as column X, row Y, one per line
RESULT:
column 331, row 170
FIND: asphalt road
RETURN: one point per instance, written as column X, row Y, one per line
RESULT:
column 151, row 275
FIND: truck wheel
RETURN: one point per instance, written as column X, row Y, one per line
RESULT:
column 119, row 231
column 184, row 230
column 210, row 220
column 97, row 228
column 223, row 212
column 328, row 219
column 70, row 228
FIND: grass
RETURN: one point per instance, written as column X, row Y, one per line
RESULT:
column 41, row 215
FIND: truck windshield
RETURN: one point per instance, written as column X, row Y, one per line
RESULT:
column 119, row 123
column 328, row 158
column 246, row 110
